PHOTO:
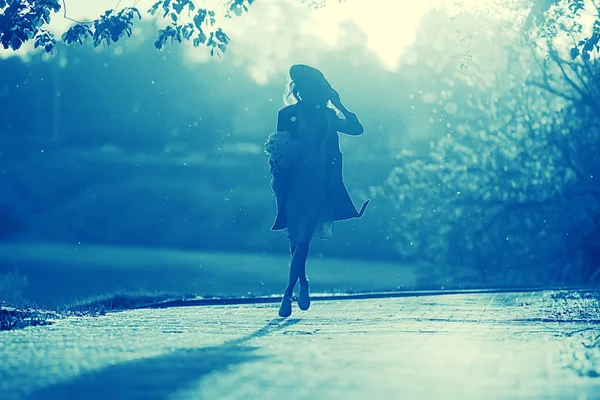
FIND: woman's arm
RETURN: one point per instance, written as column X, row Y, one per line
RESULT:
column 350, row 124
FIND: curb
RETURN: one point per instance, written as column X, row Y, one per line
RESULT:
column 352, row 296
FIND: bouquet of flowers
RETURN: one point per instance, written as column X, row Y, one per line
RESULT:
column 282, row 149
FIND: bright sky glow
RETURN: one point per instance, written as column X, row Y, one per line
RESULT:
column 260, row 40
column 391, row 25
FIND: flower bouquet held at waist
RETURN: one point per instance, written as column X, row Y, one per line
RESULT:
column 282, row 149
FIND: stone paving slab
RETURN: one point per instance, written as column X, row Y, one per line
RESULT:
column 476, row 346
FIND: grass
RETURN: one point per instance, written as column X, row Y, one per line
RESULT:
column 576, row 305
column 15, row 318
column 580, row 353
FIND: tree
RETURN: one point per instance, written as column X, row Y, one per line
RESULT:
column 551, row 16
column 25, row 20
column 508, row 195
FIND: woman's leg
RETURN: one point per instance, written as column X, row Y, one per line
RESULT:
column 292, row 248
column 302, row 255
column 303, row 293
column 293, row 277
column 297, row 266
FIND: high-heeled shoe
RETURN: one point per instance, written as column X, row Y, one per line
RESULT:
column 285, row 309
column 304, row 296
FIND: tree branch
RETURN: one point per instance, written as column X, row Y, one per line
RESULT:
column 585, row 65
column 71, row 19
column 567, row 157
column 507, row 207
column 510, row 207
column 560, row 62
column 550, row 89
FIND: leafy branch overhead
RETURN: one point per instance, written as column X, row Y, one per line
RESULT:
column 109, row 28
column 21, row 21
column 24, row 20
column 200, row 29
column 538, row 15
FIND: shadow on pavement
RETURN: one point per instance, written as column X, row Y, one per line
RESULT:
column 161, row 376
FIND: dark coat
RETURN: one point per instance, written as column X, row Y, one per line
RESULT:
column 337, row 194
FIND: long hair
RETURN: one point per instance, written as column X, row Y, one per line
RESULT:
column 292, row 94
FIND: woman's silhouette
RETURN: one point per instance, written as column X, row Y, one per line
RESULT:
column 310, row 193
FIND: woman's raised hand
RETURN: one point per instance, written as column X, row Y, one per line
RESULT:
column 335, row 99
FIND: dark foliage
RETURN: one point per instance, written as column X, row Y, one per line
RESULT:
column 12, row 318
column 24, row 20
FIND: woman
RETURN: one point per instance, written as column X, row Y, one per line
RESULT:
column 311, row 194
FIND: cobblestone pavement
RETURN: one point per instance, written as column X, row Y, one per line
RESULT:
column 477, row 346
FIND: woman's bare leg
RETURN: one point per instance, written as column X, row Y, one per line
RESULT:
column 297, row 266
column 303, row 294
column 292, row 248
column 303, row 249
column 293, row 273
column 293, row 278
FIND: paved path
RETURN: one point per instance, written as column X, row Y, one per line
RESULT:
column 482, row 346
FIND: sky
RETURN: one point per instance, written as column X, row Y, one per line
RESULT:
column 389, row 25
column 260, row 40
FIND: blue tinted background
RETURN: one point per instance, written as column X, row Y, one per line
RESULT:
column 129, row 168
